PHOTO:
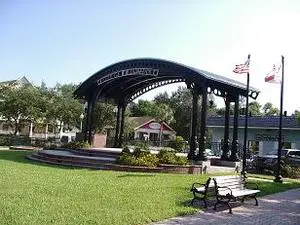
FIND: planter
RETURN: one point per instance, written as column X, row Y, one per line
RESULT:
column 182, row 169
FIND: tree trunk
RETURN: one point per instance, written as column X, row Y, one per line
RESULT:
column 16, row 127
column 30, row 130
column 46, row 131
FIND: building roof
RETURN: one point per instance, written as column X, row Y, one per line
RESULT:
column 139, row 122
column 21, row 81
column 271, row 122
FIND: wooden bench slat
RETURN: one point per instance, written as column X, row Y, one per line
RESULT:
column 238, row 193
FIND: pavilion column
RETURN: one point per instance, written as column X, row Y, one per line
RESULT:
column 121, row 137
column 193, row 139
column 90, row 139
column 118, row 125
column 88, row 118
column 225, row 147
column 234, row 147
column 202, row 138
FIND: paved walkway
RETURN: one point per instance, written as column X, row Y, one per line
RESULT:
column 281, row 208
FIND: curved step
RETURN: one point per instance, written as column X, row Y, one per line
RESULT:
column 102, row 166
column 35, row 157
column 99, row 153
column 68, row 155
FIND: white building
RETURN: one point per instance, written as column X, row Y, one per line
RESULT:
column 149, row 129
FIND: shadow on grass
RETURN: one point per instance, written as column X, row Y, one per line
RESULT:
column 19, row 157
column 137, row 175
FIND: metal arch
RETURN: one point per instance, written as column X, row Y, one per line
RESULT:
column 143, row 90
column 146, row 67
column 153, row 81
column 136, row 78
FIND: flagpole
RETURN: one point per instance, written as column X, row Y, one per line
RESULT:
column 244, row 172
column 278, row 177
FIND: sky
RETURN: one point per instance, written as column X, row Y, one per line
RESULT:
column 68, row 41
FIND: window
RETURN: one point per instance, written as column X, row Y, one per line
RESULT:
column 294, row 154
column 153, row 137
column 5, row 127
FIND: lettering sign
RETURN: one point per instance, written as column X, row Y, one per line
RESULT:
column 154, row 126
column 128, row 72
column 267, row 137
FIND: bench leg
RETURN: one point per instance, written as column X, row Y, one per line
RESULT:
column 225, row 203
column 256, row 202
column 215, row 206
column 242, row 200
column 230, row 210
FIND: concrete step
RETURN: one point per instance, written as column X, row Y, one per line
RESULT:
column 97, row 152
column 101, row 166
column 52, row 161
column 70, row 156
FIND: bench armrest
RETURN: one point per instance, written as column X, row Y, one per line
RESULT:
column 225, row 188
column 195, row 185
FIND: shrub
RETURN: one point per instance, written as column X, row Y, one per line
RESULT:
column 143, row 145
column 146, row 159
column 125, row 150
column 166, row 157
column 181, row 160
column 137, row 151
column 178, row 144
column 169, row 157
column 126, row 159
column 5, row 140
column 50, row 146
column 76, row 145
column 290, row 170
column 41, row 143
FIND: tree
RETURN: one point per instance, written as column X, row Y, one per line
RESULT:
column 19, row 105
column 181, row 104
column 254, row 108
column 143, row 108
column 212, row 107
column 103, row 116
column 64, row 107
column 162, row 98
column 297, row 114
column 270, row 110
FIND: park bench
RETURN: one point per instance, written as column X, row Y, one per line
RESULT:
column 232, row 188
column 202, row 191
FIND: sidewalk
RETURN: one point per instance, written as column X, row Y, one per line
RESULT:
column 281, row 208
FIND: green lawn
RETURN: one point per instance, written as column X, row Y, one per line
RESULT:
column 33, row 193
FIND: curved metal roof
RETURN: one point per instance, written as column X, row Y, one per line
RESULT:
column 134, row 77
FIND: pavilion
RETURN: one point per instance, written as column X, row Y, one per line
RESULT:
column 124, row 81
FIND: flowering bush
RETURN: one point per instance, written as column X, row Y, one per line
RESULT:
column 145, row 158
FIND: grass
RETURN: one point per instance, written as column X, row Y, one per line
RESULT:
column 34, row 193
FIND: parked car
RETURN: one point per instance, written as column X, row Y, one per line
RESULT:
column 269, row 161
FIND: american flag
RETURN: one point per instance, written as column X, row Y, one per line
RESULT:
column 242, row 68
column 272, row 77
